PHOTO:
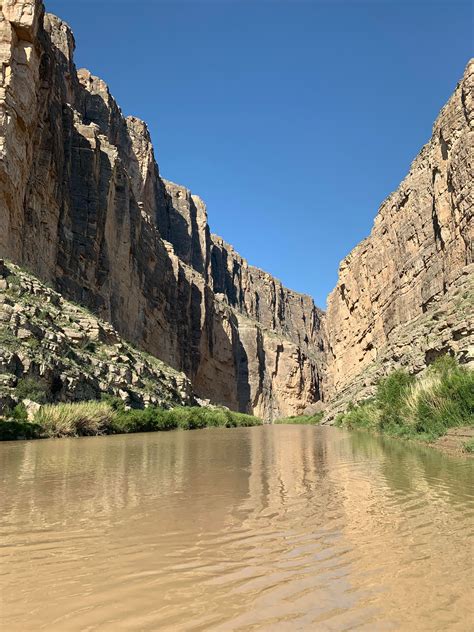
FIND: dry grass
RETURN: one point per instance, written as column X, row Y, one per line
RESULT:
column 422, row 407
column 73, row 420
column 426, row 389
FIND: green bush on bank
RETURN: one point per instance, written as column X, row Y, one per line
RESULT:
column 110, row 417
column 183, row 417
column 32, row 388
column 422, row 407
column 469, row 446
column 13, row 430
column 307, row 420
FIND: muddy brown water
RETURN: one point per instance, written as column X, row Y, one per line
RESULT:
column 269, row 528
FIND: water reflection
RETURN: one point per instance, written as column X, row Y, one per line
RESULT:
column 273, row 528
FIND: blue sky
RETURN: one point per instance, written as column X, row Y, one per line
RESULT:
column 293, row 120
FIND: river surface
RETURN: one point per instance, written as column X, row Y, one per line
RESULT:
column 267, row 528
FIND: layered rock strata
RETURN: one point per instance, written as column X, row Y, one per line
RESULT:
column 83, row 206
column 405, row 294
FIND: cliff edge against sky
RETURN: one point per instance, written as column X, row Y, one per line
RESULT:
column 83, row 206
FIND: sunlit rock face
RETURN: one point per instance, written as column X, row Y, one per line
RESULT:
column 83, row 206
column 405, row 293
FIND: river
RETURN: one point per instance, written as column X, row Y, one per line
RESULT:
column 266, row 528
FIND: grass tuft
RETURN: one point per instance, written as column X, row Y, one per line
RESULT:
column 424, row 407
column 73, row 420
column 469, row 446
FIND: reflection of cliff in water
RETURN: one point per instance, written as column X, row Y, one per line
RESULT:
column 249, row 528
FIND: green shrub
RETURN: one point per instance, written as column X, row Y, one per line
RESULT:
column 391, row 398
column 188, row 418
column 19, row 413
column 147, row 420
column 242, row 420
column 219, row 418
column 185, row 418
column 469, row 446
column 424, row 407
column 32, row 388
column 114, row 402
column 77, row 419
column 310, row 420
column 13, row 430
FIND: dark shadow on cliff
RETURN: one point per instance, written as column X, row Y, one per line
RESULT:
column 107, row 253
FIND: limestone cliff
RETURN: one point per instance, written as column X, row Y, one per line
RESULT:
column 83, row 206
column 405, row 294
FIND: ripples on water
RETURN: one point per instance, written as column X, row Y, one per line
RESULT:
column 270, row 528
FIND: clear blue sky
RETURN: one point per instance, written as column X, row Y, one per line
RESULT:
column 293, row 120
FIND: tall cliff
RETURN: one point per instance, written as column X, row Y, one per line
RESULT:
column 83, row 206
column 405, row 294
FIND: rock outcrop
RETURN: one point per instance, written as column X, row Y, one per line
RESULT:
column 51, row 345
column 405, row 294
column 83, row 206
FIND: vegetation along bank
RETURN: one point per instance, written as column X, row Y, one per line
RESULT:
column 436, row 407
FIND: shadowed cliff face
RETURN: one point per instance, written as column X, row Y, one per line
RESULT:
column 84, row 207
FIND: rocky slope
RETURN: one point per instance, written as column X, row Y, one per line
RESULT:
column 405, row 294
column 84, row 207
column 69, row 354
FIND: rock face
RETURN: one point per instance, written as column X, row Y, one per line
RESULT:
column 84, row 207
column 70, row 354
column 405, row 293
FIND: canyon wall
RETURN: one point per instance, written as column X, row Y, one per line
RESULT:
column 405, row 294
column 83, row 206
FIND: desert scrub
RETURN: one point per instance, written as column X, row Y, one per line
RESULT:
column 109, row 416
column 307, row 420
column 75, row 419
column 182, row 417
column 424, row 407
column 13, row 430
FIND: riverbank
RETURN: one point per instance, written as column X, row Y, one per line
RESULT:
column 301, row 420
column 110, row 417
column 434, row 409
